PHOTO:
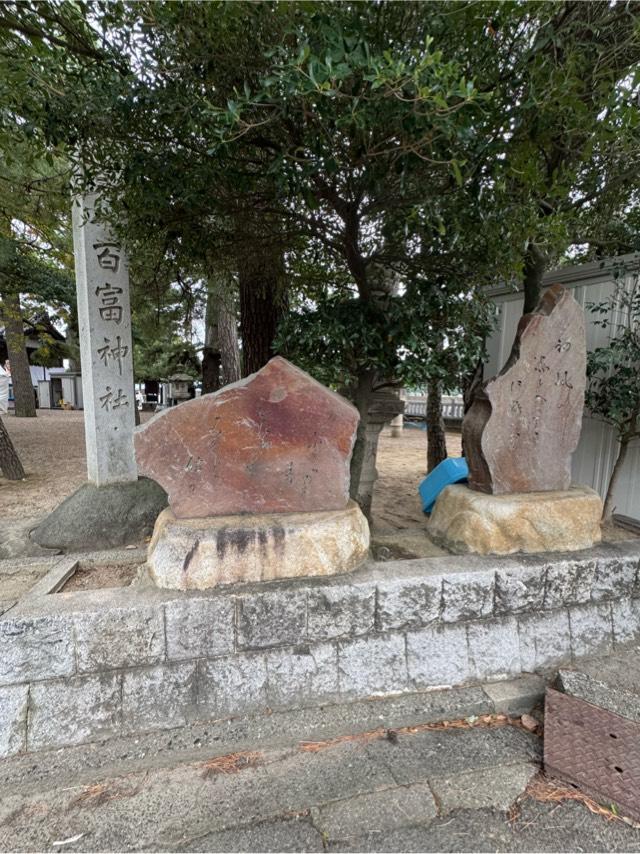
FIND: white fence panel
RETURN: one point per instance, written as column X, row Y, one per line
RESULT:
column 596, row 453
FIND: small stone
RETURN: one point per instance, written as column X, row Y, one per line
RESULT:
column 275, row 442
column 465, row 521
column 529, row 723
column 524, row 424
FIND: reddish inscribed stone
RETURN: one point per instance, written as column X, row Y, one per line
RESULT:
column 524, row 424
column 275, row 442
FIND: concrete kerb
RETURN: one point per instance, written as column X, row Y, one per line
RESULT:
column 140, row 659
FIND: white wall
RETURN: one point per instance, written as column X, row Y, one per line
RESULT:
column 596, row 453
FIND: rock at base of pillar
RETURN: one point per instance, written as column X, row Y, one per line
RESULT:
column 196, row 554
column 102, row 517
column 465, row 521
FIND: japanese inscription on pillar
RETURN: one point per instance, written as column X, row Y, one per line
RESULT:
column 102, row 282
column 524, row 424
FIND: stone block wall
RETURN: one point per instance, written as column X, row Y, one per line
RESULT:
column 77, row 667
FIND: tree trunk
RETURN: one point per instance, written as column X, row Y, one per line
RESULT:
column 221, row 355
column 609, row 507
column 25, row 401
column 362, row 398
column 228, row 339
column 470, row 385
column 535, row 264
column 73, row 340
column 262, row 304
column 10, row 464
column 436, row 436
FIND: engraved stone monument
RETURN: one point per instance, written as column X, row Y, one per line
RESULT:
column 524, row 424
column 115, row 507
column 104, row 318
column 519, row 435
column 257, row 476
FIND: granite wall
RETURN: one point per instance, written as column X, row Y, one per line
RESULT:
column 78, row 667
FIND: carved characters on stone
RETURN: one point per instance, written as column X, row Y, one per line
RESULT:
column 524, row 424
column 275, row 442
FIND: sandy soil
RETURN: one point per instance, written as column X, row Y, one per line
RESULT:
column 402, row 465
column 52, row 450
column 99, row 577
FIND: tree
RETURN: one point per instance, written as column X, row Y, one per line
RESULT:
column 416, row 150
column 220, row 357
column 613, row 391
column 10, row 464
column 436, row 435
column 317, row 125
column 567, row 80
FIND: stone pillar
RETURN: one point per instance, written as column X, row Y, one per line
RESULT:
column 396, row 426
column 385, row 406
column 104, row 319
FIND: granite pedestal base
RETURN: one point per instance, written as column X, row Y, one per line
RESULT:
column 197, row 554
column 466, row 521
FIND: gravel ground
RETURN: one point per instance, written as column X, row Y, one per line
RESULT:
column 52, row 450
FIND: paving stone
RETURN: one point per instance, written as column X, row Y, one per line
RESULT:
column 307, row 674
column 611, row 682
column 550, row 827
column 233, row 685
column 519, row 589
column 545, row 640
column 496, row 787
column 494, row 648
column 613, row 578
column 159, row 697
column 591, row 629
column 460, row 831
column 13, row 719
column 409, row 604
column 373, row 665
column 438, row 656
column 340, row 611
column 516, row 696
column 71, row 711
column 199, row 627
column 421, row 756
column 312, row 778
column 467, row 596
column 35, row 648
column 376, row 811
column 569, row 582
column 625, row 613
column 118, row 637
column 293, row 834
column 271, row 619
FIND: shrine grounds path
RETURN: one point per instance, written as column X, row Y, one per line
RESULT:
column 385, row 783
column 52, row 450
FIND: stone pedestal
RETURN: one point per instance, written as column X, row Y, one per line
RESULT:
column 465, row 521
column 196, row 554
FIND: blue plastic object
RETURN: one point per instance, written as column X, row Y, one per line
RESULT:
column 451, row 470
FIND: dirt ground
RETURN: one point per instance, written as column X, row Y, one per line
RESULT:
column 52, row 450
column 99, row 577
